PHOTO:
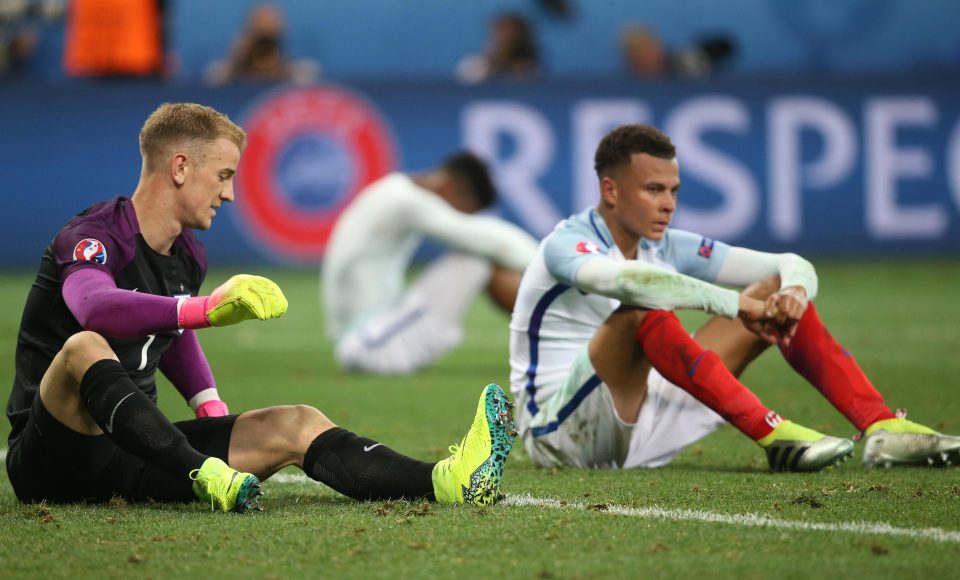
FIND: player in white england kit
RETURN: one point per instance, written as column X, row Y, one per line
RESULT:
column 378, row 323
column 603, row 373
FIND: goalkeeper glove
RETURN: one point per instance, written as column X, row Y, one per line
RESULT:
column 242, row 297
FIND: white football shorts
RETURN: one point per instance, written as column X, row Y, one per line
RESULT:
column 591, row 434
column 424, row 325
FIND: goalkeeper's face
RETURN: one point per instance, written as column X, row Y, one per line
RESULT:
column 209, row 183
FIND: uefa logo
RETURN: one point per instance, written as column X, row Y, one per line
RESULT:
column 309, row 151
column 90, row 250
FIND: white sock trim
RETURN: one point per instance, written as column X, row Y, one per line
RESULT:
column 203, row 396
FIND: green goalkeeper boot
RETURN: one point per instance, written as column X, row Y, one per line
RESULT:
column 473, row 472
column 224, row 487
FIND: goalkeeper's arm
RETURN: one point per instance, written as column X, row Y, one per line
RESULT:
column 242, row 297
column 98, row 305
column 185, row 365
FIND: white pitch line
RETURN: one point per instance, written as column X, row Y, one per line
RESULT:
column 291, row 478
column 748, row 519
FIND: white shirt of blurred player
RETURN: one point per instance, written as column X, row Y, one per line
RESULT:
column 375, row 238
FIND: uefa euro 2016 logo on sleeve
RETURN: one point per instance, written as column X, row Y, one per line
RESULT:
column 90, row 250
column 310, row 150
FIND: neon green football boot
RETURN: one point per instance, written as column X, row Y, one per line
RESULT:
column 793, row 447
column 473, row 472
column 892, row 442
column 224, row 487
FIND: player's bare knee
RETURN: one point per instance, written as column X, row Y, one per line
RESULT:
column 764, row 287
column 82, row 350
column 293, row 426
column 310, row 419
column 628, row 315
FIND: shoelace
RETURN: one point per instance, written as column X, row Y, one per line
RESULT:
column 455, row 448
column 899, row 414
column 195, row 476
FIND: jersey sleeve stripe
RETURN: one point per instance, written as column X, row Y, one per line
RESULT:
column 596, row 229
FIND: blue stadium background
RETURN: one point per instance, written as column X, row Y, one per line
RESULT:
column 835, row 131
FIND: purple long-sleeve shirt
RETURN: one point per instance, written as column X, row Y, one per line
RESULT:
column 99, row 274
column 98, row 305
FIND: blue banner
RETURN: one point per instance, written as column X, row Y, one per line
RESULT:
column 852, row 167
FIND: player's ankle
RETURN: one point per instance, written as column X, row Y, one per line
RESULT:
column 898, row 425
column 788, row 430
column 444, row 485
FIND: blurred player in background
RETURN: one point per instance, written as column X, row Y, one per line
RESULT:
column 604, row 372
column 379, row 325
column 116, row 299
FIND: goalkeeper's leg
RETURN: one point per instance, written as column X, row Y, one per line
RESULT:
column 267, row 440
column 88, row 391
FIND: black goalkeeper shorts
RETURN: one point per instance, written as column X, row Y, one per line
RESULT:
column 51, row 462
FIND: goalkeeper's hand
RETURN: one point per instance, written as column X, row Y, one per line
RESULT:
column 242, row 297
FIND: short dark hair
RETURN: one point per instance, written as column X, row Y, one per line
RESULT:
column 616, row 148
column 471, row 172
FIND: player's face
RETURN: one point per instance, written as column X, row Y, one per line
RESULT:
column 644, row 195
column 210, row 183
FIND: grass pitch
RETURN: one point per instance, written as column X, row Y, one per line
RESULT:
column 715, row 511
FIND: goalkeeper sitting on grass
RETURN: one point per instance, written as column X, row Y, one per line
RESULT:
column 116, row 299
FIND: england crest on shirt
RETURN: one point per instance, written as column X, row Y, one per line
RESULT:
column 587, row 247
column 706, row 248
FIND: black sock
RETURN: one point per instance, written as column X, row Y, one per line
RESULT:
column 366, row 470
column 133, row 421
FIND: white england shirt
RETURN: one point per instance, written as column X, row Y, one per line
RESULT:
column 553, row 319
column 375, row 238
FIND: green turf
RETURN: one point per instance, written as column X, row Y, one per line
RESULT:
column 900, row 320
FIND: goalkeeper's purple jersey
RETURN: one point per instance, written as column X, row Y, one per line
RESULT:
column 105, row 236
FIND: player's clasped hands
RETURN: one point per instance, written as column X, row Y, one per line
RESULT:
column 780, row 316
column 784, row 309
column 774, row 320
column 245, row 297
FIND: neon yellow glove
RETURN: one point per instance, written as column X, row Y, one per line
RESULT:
column 242, row 297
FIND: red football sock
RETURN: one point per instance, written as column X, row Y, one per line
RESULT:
column 829, row 367
column 701, row 373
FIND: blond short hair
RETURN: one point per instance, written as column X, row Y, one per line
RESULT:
column 178, row 124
